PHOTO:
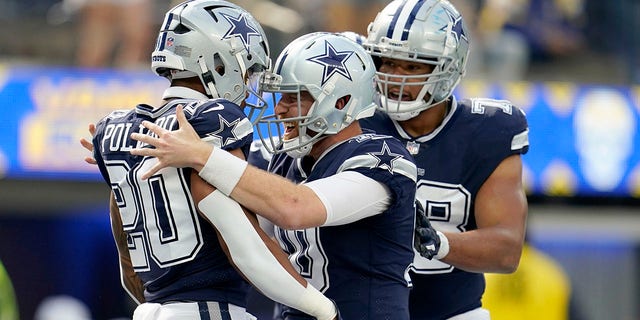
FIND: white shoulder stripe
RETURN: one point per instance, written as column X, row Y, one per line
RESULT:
column 243, row 129
column 520, row 140
column 400, row 166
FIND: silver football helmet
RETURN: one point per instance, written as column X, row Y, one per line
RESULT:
column 215, row 40
column 330, row 67
column 430, row 32
column 354, row 36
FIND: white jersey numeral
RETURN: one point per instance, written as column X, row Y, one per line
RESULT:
column 169, row 235
column 306, row 254
column 448, row 209
column 478, row 105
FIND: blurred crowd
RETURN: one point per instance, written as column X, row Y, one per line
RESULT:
column 561, row 40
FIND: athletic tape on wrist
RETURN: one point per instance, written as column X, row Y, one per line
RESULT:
column 223, row 170
column 315, row 301
column 444, row 246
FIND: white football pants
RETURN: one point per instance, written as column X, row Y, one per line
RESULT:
column 190, row 311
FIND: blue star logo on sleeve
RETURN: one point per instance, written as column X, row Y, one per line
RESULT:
column 240, row 28
column 223, row 131
column 333, row 62
column 458, row 26
column 385, row 158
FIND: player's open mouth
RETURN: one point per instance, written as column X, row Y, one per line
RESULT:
column 289, row 128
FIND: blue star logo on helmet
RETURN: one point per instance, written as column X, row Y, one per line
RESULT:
column 241, row 28
column 458, row 25
column 333, row 62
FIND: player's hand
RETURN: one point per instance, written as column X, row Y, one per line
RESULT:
column 88, row 145
column 426, row 239
column 179, row 148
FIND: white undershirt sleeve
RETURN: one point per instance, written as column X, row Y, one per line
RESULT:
column 349, row 196
column 266, row 225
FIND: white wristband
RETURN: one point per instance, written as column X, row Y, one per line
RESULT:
column 223, row 170
column 444, row 246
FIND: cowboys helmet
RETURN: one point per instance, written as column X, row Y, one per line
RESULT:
column 217, row 41
column 424, row 31
column 354, row 36
column 330, row 67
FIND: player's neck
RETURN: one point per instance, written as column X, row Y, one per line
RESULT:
column 190, row 88
column 427, row 121
column 349, row 132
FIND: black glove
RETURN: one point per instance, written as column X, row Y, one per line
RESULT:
column 426, row 239
column 283, row 312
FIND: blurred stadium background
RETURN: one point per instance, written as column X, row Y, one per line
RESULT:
column 572, row 65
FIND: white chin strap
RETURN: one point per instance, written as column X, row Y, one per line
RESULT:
column 415, row 106
column 208, row 83
column 298, row 147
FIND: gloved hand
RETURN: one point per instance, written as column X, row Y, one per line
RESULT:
column 426, row 239
column 283, row 312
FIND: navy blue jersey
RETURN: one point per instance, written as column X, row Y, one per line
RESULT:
column 174, row 251
column 453, row 162
column 258, row 155
column 362, row 265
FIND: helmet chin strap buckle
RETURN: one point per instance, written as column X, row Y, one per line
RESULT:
column 207, row 77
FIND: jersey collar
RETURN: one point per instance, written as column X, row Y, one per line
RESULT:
column 405, row 135
column 183, row 93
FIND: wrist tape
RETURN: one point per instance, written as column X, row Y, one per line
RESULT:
column 444, row 246
column 223, row 170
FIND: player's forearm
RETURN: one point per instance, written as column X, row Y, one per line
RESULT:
column 283, row 202
column 494, row 250
column 286, row 204
column 131, row 282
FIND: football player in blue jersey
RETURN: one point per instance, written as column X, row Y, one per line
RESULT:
column 342, row 201
column 181, row 259
column 468, row 154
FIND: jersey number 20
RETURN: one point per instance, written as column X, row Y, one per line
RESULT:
column 168, row 236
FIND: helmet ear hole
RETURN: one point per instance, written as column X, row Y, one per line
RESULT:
column 218, row 64
column 342, row 102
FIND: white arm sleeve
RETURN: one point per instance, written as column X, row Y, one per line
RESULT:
column 256, row 262
column 349, row 196
column 267, row 226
